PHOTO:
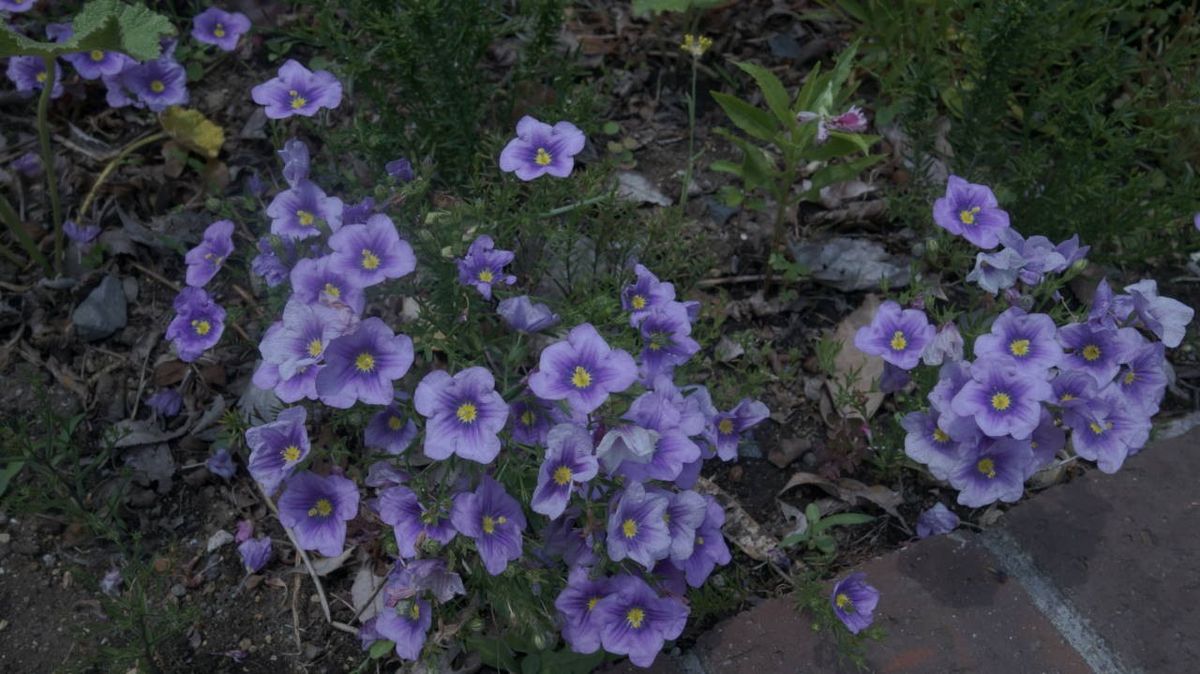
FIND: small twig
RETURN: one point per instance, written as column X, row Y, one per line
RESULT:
column 303, row 555
column 729, row 280
column 43, row 126
column 296, row 613
column 112, row 165
column 156, row 276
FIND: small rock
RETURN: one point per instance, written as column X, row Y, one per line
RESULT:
column 718, row 211
column 130, row 285
column 637, row 188
column 219, row 539
column 784, row 46
column 178, row 590
column 750, row 450
column 103, row 312
column 789, row 450
column 5, row 537
column 728, row 350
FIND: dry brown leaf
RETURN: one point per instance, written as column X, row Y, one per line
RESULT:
column 850, row 491
column 740, row 527
column 855, row 368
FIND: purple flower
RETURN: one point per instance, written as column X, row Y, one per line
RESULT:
column 158, row 84
column 267, row 264
column 465, row 414
column 936, row 521
column 532, row 419
column 893, row 379
column 217, row 27
column 523, row 315
column 362, row 366
column 317, row 281
column 424, row 575
column 576, row 606
column 1071, row 252
column 28, row 74
column 1045, row 442
column 568, row 461
column 997, row 271
column 198, row 324
column 295, row 212
column 406, row 624
column 255, row 552
column 992, row 470
column 298, row 91
column 384, row 474
column 83, row 235
column 636, row 622
column 401, row 169
column 673, row 452
column 644, row 294
column 360, row 213
column 971, row 211
column 205, row 260
column 221, row 464
column 29, row 165
column 166, row 402
column 372, row 253
column 929, row 444
column 245, row 529
column 854, row 602
column 1106, row 432
column 562, row 538
column 118, row 94
column 1073, row 389
column 1142, row 381
column 685, row 513
column 93, row 64
column 1039, row 256
column 1021, row 340
column 389, row 431
column 709, row 548
column 413, row 522
column 852, row 121
column 1002, row 400
column 277, row 447
column 483, row 266
column 541, row 149
column 316, row 509
column 946, row 346
column 16, row 6
column 1093, row 349
column 1165, row 317
column 666, row 336
column 293, row 348
column 582, row 370
column 494, row 520
column 626, row 444
column 295, row 161
column 726, row 429
column 898, row 336
column 636, row 528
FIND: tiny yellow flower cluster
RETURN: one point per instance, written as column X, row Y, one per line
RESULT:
column 695, row 45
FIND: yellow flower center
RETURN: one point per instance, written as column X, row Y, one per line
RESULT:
column 581, row 378
column 219, row 31
column 725, row 426
column 542, row 158
column 298, row 101
column 370, row 261
column 899, row 343
column 332, row 290
column 365, row 362
column 940, row 436
column 1096, row 428
column 314, row 348
column 635, row 617
column 527, row 418
column 157, row 86
column 97, row 55
column 489, row 525
column 322, row 508
column 844, row 602
column 699, row 540
column 1019, row 347
column 466, row 413
column 562, row 476
column 414, row 611
column 1129, row 378
column 1066, row 398
column 306, row 219
column 201, row 327
column 968, row 216
column 486, row 276
column 592, row 603
column 291, row 453
column 638, row 302
column 987, row 467
column 629, row 528
column 1001, row 401
column 394, row 423
column 1091, row 352
column 41, row 77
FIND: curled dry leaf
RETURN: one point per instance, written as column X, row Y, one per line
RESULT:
column 740, row 527
column 850, row 491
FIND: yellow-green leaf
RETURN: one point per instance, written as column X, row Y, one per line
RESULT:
column 194, row 131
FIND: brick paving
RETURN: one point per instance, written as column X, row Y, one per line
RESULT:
column 1098, row 575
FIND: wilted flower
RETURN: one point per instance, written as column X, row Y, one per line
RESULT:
column 854, row 602
column 936, row 521
column 582, row 369
column 636, row 528
column 198, row 323
column 635, row 621
column 852, row 120
column 295, row 161
column 166, row 402
column 29, row 165
column 947, row 345
column 401, row 169
column 221, row 464
column 276, row 448
column 298, row 91
column 220, row 28
column 28, row 74
column 158, row 84
column 1003, row 400
column 363, row 365
column 371, row 253
column 971, row 211
column 295, row 212
column 82, row 235
column 1165, row 317
column 465, row 414
column 523, row 315
column 388, row 431
column 483, row 266
column 541, row 149
column 358, row 214
column 267, row 264
column 399, row 507
column 568, row 461
column 316, row 509
column 898, row 336
column 244, row 530
column 494, row 520
column 205, row 260
column 997, row 271
column 255, row 552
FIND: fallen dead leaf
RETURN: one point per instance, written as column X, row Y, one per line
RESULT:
column 850, row 491
column 856, row 369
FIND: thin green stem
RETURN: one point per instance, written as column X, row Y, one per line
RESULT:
column 570, row 207
column 43, row 125
column 687, row 175
column 9, row 215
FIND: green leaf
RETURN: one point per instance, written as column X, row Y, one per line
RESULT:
column 7, row 473
column 804, row 99
column 840, row 145
column 844, row 520
column 755, row 122
column 494, row 653
column 793, row 539
column 812, row 513
column 644, row 7
column 773, row 91
column 825, row 544
column 106, row 25
column 726, row 166
column 570, row 662
column 381, row 648
column 836, row 173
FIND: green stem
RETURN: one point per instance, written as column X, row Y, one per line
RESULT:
column 687, row 175
column 112, row 165
column 9, row 215
column 781, row 200
column 570, row 207
column 43, row 124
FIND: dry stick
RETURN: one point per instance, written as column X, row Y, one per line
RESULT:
column 158, row 277
column 112, row 165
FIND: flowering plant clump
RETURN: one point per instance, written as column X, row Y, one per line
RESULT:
column 1082, row 380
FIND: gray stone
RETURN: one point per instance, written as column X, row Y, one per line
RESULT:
column 103, row 312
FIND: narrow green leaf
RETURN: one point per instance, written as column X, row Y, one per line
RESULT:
column 845, row 520
column 755, row 122
column 773, row 91
column 836, row 173
column 381, row 648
